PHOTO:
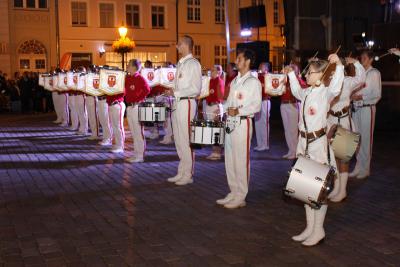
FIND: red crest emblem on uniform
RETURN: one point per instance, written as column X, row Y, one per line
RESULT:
column 312, row 111
column 275, row 83
column 132, row 87
column 96, row 83
column 75, row 79
column 240, row 96
column 111, row 80
column 65, row 80
column 211, row 91
column 170, row 76
column 150, row 76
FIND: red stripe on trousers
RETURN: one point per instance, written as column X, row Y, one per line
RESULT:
column 95, row 115
column 248, row 149
column 267, row 111
column 191, row 150
column 120, row 124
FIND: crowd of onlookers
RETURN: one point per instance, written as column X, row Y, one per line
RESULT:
column 22, row 93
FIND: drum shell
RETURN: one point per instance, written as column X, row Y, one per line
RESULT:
column 309, row 181
column 152, row 112
column 345, row 143
column 206, row 132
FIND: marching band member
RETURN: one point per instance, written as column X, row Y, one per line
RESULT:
column 339, row 114
column 312, row 140
column 261, row 119
column 63, row 103
column 104, row 121
column 72, row 110
column 136, row 90
column 243, row 102
column 231, row 74
column 365, row 101
column 187, row 88
column 80, row 99
column 213, row 106
column 56, row 103
column 91, row 107
column 290, row 116
column 169, row 101
column 116, row 111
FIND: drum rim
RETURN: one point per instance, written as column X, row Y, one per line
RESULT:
column 151, row 104
column 207, row 123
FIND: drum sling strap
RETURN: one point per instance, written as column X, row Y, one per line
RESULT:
column 307, row 140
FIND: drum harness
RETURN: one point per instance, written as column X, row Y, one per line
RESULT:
column 307, row 139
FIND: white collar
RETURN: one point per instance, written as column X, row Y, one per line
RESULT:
column 185, row 58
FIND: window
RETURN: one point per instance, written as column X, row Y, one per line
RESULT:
column 157, row 58
column 132, row 16
column 30, row 3
column 193, row 10
column 106, row 15
column 24, row 64
column 81, row 59
column 40, row 64
column 276, row 12
column 78, row 10
column 219, row 11
column 197, row 52
column 157, row 17
column 220, row 57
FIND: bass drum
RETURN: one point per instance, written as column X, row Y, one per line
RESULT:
column 345, row 143
column 310, row 182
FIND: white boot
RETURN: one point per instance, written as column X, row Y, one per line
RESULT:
column 318, row 233
column 225, row 200
column 174, row 179
column 336, row 187
column 309, row 227
column 355, row 172
column 342, row 191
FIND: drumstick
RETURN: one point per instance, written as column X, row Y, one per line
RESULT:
column 315, row 55
column 381, row 56
column 337, row 50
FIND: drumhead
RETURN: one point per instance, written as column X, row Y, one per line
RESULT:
column 151, row 104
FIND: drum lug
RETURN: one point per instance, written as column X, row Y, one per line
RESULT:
column 314, row 204
column 288, row 191
column 298, row 170
column 318, row 179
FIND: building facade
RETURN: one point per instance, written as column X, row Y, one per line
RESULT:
column 87, row 29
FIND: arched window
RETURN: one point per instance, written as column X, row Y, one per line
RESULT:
column 32, row 56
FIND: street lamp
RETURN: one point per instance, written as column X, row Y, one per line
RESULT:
column 122, row 31
column 123, row 45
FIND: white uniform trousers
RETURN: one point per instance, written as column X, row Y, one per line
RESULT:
column 82, row 113
column 168, row 120
column 56, row 103
column 104, row 120
column 91, row 107
column 73, row 112
column 137, row 131
column 364, row 120
column 290, row 120
column 63, row 102
column 116, row 113
column 183, row 114
column 237, row 158
column 262, row 124
column 211, row 111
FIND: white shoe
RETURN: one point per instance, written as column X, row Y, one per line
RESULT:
column 342, row 189
column 64, row 124
column 362, row 176
column 184, row 181
column 214, row 156
column 285, row 156
column 117, row 150
column 174, row 179
column 166, row 141
column 72, row 129
column 235, row 204
column 309, row 226
column 154, row 136
column 261, row 149
column 225, row 200
column 135, row 160
column 57, row 121
column 105, row 143
column 92, row 137
column 318, row 233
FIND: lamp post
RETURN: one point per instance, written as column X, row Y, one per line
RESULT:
column 122, row 34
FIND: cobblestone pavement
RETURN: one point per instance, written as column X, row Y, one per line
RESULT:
column 64, row 201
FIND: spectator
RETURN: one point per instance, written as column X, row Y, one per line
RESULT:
column 14, row 96
column 25, row 87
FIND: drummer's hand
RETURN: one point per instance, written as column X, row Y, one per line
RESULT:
column 169, row 92
column 331, row 131
column 350, row 60
column 287, row 69
column 233, row 112
column 395, row 51
column 334, row 59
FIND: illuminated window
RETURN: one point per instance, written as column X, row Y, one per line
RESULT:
column 30, row 3
column 24, row 64
column 40, row 64
column 157, row 58
column 276, row 12
column 197, row 52
column 157, row 17
column 78, row 10
column 220, row 56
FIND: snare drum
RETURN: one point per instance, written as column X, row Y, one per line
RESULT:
column 310, row 181
column 152, row 112
column 207, row 132
column 345, row 143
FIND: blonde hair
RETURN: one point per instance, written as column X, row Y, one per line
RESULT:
column 319, row 65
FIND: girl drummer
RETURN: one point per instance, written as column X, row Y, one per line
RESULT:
column 339, row 114
column 312, row 139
